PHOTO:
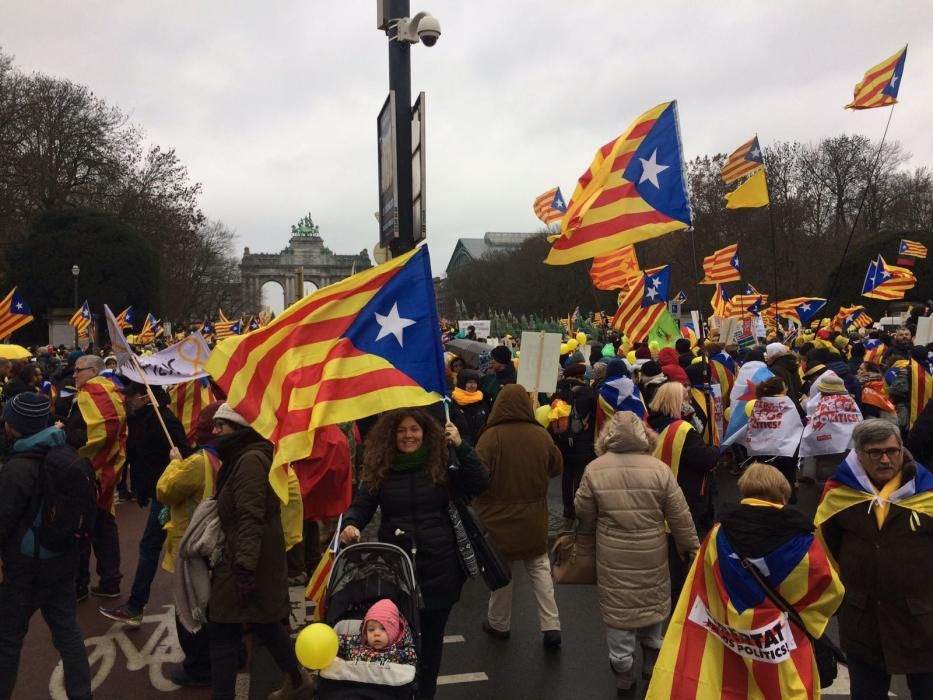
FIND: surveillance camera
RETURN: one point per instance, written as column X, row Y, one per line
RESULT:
column 423, row 27
column 429, row 29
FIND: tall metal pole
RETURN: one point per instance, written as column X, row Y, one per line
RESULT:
column 75, row 274
column 400, row 82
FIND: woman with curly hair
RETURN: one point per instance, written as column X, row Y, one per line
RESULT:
column 407, row 474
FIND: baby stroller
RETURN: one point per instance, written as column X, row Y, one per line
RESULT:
column 361, row 575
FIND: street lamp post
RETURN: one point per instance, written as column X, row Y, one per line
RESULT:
column 400, row 81
column 403, row 30
column 75, row 271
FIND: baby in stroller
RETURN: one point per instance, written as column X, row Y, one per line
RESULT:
column 371, row 603
column 384, row 639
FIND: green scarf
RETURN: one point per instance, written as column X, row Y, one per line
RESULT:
column 409, row 461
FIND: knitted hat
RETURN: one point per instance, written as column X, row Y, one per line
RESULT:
column 675, row 373
column 650, row 369
column 224, row 412
column 774, row 350
column 831, row 384
column 386, row 614
column 501, row 354
column 577, row 369
column 27, row 413
column 667, row 356
column 643, row 353
column 467, row 375
column 204, row 430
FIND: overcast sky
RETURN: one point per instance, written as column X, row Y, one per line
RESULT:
column 273, row 105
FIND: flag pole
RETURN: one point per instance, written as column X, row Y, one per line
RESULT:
column 152, row 399
column 773, row 255
column 858, row 212
column 696, row 273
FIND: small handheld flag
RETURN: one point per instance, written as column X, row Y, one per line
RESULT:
column 722, row 266
column 14, row 313
column 744, row 160
column 612, row 271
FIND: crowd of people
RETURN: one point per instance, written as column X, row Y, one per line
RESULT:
column 635, row 434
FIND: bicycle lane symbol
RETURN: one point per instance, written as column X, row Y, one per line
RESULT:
column 160, row 648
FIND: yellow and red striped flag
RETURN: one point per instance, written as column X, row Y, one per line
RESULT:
column 880, row 85
column 921, row 390
column 126, row 318
column 187, row 400
column 14, row 313
column 720, row 302
column 633, row 317
column 913, row 249
column 81, row 320
column 721, row 602
column 151, row 330
column 799, row 309
column 550, row 206
column 743, row 160
column 885, row 281
column 613, row 270
column 317, row 585
column 744, row 305
column 362, row 346
column 104, row 414
column 224, row 327
column 634, row 190
column 722, row 266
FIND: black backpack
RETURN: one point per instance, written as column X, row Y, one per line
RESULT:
column 65, row 502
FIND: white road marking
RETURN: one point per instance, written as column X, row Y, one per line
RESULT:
column 462, row 678
column 453, row 638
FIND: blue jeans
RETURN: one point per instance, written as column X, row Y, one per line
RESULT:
column 150, row 547
column 55, row 598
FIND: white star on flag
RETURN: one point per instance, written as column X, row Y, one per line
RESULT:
column 656, row 281
column 19, row 306
column 651, row 169
column 804, row 307
column 651, row 293
column 393, row 324
column 894, row 79
column 755, row 154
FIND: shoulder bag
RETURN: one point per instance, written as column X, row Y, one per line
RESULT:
column 573, row 558
column 828, row 656
column 476, row 551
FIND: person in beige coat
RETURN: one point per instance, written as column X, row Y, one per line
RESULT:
column 628, row 495
column 522, row 458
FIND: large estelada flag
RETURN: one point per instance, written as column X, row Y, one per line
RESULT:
column 104, row 414
column 912, row 249
column 745, row 159
column 643, row 304
column 367, row 344
column 614, row 270
column 722, row 266
column 634, row 190
column 14, row 313
column 720, row 302
column 126, row 318
column 727, row 640
column 881, row 83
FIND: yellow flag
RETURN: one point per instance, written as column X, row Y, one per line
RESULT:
column 751, row 193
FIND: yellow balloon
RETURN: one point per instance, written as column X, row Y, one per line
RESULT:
column 541, row 415
column 748, row 408
column 572, row 344
column 581, row 338
column 564, row 349
column 630, row 356
column 316, row 646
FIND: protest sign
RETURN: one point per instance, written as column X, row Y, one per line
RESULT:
column 540, row 361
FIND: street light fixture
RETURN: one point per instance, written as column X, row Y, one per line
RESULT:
column 75, row 271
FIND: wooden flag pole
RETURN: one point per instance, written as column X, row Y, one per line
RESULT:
column 152, row 400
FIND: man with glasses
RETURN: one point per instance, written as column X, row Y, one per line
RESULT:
column 876, row 518
column 96, row 427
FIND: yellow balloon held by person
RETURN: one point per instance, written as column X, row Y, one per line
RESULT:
column 316, row 646
column 541, row 415
column 581, row 338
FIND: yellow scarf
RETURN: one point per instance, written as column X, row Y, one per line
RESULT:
column 465, row 398
column 882, row 505
column 759, row 502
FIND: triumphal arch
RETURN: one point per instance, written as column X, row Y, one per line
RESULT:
column 306, row 259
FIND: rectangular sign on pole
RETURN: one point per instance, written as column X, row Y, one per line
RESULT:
column 924, row 334
column 388, row 185
column 418, row 207
column 540, row 361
